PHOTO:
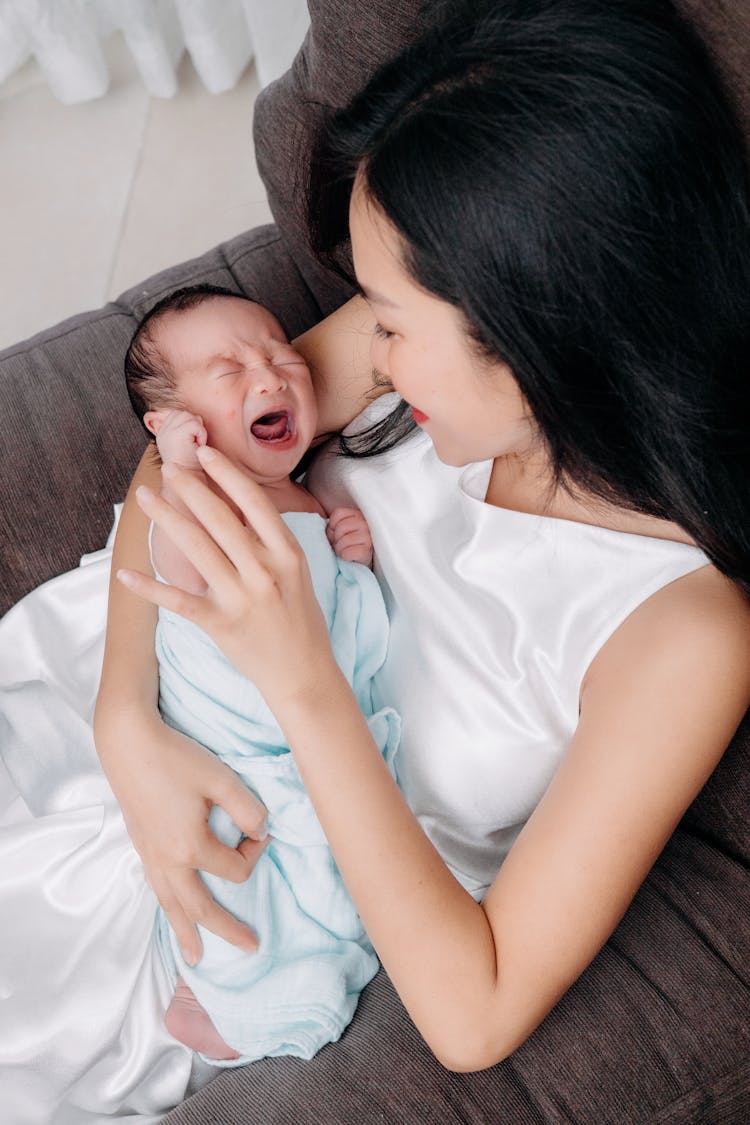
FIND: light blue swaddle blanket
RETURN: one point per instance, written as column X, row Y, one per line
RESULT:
column 300, row 990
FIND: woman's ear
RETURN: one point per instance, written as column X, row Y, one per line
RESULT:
column 153, row 420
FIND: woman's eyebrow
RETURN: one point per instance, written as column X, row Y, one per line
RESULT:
column 376, row 298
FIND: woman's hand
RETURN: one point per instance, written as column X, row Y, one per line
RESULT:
column 167, row 820
column 259, row 606
column 165, row 784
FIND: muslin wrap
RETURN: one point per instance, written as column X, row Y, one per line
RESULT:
column 300, row 989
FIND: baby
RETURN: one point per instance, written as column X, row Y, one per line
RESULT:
column 208, row 366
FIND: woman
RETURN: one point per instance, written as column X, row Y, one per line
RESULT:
column 548, row 208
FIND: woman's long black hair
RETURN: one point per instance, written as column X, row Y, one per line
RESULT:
column 571, row 176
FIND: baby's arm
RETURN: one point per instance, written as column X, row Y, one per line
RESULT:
column 178, row 434
column 349, row 535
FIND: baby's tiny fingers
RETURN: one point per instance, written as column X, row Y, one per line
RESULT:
column 339, row 515
column 355, row 538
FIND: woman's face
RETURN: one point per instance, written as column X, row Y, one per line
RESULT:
column 471, row 408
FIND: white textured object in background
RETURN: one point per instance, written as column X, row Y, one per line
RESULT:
column 274, row 27
column 221, row 38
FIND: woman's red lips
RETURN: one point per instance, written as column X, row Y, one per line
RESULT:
column 418, row 416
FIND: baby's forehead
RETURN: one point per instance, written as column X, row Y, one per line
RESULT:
column 231, row 312
column 215, row 323
column 250, row 314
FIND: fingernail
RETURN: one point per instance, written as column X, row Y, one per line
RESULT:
column 261, row 833
column 191, row 959
column 143, row 492
column 205, row 453
column 125, row 577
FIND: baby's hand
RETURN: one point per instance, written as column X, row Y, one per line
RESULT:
column 349, row 535
column 179, row 436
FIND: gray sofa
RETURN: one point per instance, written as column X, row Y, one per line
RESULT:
column 658, row 1028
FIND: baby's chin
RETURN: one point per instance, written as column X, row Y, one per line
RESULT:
column 270, row 467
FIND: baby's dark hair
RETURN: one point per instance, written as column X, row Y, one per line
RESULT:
column 149, row 377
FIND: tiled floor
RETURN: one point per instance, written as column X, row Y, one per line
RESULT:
column 97, row 196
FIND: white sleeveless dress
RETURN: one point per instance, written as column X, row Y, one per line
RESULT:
column 495, row 616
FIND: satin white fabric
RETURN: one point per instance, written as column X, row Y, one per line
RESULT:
column 495, row 616
column 82, row 987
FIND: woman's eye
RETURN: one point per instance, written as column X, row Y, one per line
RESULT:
column 382, row 332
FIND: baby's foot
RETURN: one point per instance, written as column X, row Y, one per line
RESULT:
column 191, row 1024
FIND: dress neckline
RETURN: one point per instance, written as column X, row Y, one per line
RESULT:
column 474, row 481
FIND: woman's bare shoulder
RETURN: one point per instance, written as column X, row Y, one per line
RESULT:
column 704, row 606
column 691, row 636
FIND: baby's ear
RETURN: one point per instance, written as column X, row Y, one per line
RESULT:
column 153, row 420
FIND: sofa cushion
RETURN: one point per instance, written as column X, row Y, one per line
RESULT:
column 344, row 45
column 724, row 26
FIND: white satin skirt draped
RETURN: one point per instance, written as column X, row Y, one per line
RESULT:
column 82, row 987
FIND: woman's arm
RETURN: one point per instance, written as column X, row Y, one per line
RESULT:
column 165, row 783
column 477, row 980
column 660, row 704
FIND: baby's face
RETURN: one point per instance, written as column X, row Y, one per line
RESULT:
column 235, row 368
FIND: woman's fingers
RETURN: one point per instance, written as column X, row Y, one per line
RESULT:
column 207, row 547
column 187, row 903
column 159, row 593
column 199, row 905
column 184, row 929
column 230, row 863
column 249, row 497
column 241, row 804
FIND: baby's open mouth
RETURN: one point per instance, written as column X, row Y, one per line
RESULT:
column 276, row 426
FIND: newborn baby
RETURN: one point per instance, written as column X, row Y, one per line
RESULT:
column 206, row 366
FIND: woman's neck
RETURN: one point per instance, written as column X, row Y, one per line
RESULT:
column 523, row 483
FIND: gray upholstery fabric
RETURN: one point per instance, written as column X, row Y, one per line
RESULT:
column 345, row 44
column 657, row 1030
column 725, row 28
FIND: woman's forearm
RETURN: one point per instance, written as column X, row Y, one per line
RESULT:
column 434, row 940
column 129, row 672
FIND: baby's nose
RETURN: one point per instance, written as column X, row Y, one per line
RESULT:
column 266, row 377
